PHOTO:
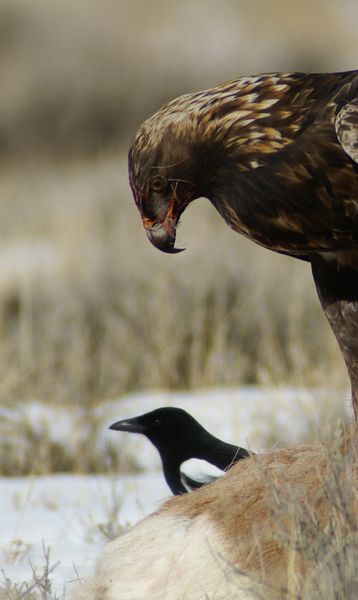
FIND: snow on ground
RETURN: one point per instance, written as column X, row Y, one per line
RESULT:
column 67, row 513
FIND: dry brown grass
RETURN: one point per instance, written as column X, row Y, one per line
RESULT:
column 39, row 587
column 89, row 310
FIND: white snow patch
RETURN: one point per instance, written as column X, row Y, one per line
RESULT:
column 63, row 513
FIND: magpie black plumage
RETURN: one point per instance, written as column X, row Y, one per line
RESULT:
column 178, row 437
column 277, row 156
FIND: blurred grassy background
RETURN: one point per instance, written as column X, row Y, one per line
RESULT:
column 88, row 310
column 79, row 77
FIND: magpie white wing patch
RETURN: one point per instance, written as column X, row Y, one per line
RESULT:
column 347, row 129
column 196, row 472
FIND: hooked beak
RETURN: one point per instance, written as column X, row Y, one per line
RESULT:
column 162, row 235
column 131, row 425
column 162, row 239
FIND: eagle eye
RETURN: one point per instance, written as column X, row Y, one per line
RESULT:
column 158, row 183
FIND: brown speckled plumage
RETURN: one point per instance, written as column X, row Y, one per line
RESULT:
column 277, row 155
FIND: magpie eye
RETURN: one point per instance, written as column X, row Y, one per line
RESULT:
column 156, row 422
column 158, row 183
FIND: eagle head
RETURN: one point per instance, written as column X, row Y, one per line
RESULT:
column 163, row 176
column 171, row 164
column 217, row 144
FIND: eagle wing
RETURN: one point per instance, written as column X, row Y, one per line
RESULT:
column 347, row 129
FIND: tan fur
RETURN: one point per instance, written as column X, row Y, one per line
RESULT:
column 235, row 537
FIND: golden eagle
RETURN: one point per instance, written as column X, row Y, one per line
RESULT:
column 277, row 155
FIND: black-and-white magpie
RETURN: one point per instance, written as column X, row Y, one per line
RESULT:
column 180, row 441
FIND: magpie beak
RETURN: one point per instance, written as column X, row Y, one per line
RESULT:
column 131, row 425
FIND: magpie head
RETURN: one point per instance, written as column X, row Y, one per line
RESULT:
column 165, row 427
